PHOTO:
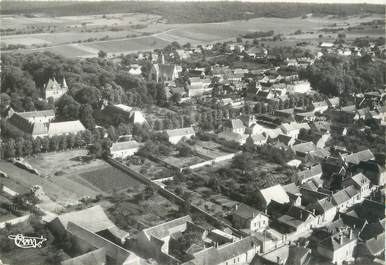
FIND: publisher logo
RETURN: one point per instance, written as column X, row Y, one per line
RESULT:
column 26, row 241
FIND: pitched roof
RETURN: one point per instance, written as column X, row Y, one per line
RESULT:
column 180, row 132
column 26, row 126
column 360, row 180
column 234, row 124
column 165, row 229
column 334, row 101
column 94, row 257
column 376, row 245
column 165, row 70
column 291, row 188
column 295, row 126
column 371, row 230
column 332, row 243
column 58, row 128
column 52, row 84
column 246, row 211
column 137, row 117
column 93, row 218
column 123, row 107
column 304, row 147
column 276, row 193
column 310, row 173
column 214, row 256
column 355, row 158
column 119, row 146
column 35, row 114
column 340, row 197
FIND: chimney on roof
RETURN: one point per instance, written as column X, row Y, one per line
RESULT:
column 340, row 239
column 313, row 211
column 236, row 207
column 350, row 233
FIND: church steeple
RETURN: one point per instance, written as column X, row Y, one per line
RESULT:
column 64, row 84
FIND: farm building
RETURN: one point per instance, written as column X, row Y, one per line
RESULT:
column 65, row 127
column 124, row 149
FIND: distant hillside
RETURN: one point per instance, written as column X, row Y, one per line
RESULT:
column 188, row 12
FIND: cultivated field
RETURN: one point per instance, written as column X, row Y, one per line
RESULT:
column 61, row 33
column 110, row 179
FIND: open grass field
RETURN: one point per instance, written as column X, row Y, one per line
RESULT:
column 120, row 27
column 66, row 179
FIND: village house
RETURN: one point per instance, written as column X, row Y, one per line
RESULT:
column 135, row 69
column 176, row 135
column 124, row 149
column 301, row 87
column 293, row 128
column 339, row 248
column 237, row 253
column 310, row 173
column 360, row 182
column 92, row 234
column 296, row 219
column 248, row 218
column 356, row 158
column 154, row 241
column 333, row 102
column 234, row 126
column 301, row 150
column 320, row 106
column 285, row 255
column 275, row 193
column 259, row 139
column 55, row 90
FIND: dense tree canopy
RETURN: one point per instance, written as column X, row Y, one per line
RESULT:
column 335, row 75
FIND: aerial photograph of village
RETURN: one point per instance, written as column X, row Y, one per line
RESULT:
column 192, row 132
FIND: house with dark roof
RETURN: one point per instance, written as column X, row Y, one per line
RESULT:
column 248, row 218
column 360, row 182
column 296, row 219
column 285, row 255
column 339, row 247
column 324, row 208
